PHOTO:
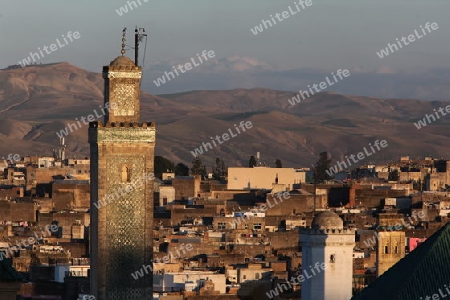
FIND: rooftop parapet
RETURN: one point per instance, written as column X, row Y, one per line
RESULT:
column 122, row 132
column 313, row 231
column 98, row 124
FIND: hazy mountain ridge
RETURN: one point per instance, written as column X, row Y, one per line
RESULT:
column 39, row 100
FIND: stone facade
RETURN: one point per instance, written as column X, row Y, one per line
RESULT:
column 122, row 161
column 17, row 211
column 390, row 241
column 72, row 194
column 186, row 187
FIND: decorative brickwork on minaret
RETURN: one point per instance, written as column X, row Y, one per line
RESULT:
column 122, row 156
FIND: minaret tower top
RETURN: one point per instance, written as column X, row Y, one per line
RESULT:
column 122, row 89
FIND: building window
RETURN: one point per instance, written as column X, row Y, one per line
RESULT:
column 386, row 250
column 221, row 226
column 246, row 225
column 333, row 258
column 396, row 249
column 126, row 174
column 257, row 226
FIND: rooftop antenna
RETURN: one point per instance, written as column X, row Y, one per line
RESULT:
column 138, row 36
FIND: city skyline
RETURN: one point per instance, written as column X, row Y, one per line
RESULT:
column 198, row 150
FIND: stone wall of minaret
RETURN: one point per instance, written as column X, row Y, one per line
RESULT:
column 122, row 157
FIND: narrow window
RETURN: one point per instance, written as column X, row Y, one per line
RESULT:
column 333, row 258
column 126, row 174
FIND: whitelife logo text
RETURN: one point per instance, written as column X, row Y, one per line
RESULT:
column 187, row 67
column 281, row 17
column 391, row 48
column 342, row 165
column 319, row 87
column 225, row 136
column 49, row 49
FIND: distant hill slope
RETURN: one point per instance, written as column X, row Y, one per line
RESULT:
column 39, row 100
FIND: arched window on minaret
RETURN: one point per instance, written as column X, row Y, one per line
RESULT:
column 126, row 174
column 333, row 258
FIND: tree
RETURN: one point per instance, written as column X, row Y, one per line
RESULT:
column 278, row 163
column 162, row 165
column 322, row 165
column 418, row 185
column 198, row 168
column 181, row 170
column 393, row 176
column 252, row 162
column 220, row 170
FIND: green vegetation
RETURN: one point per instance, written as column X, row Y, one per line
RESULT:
column 323, row 164
column 198, row 168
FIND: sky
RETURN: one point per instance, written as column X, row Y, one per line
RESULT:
column 323, row 37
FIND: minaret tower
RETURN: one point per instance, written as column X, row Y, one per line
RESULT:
column 329, row 245
column 122, row 155
column 390, row 241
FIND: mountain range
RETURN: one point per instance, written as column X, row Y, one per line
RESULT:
column 38, row 101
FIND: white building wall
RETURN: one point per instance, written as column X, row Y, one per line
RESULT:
column 245, row 274
column 335, row 282
column 60, row 272
column 178, row 280
column 299, row 177
column 260, row 178
column 232, row 275
column 339, row 275
column 166, row 194
column 313, row 252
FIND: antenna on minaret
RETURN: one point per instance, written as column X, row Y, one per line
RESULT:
column 138, row 35
column 124, row 31
column 136, row 46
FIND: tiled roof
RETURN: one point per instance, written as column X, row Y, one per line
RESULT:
column 419, row 274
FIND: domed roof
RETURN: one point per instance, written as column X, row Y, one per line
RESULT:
column 327, row 220
column 122, row 61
